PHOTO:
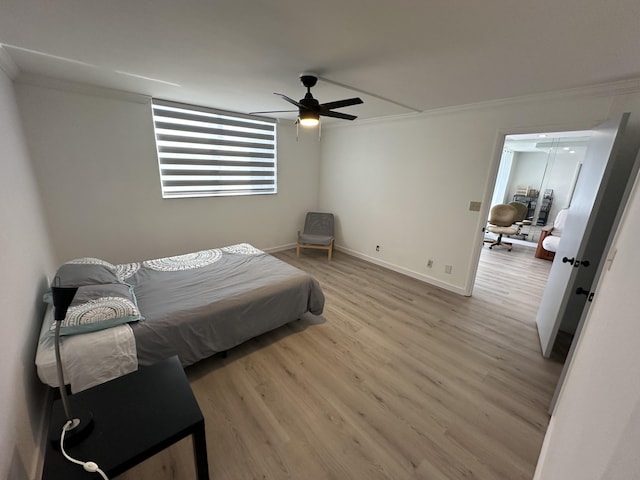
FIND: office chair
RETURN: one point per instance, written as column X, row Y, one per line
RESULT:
column 521, row 220
column 501, row 221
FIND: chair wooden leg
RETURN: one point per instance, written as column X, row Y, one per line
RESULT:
column 328, row 248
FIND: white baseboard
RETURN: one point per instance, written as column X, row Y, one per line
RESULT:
column 280, row 248
column 404, row 271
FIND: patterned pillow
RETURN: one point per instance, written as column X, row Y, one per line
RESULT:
column 96, row 307
column 85, row 271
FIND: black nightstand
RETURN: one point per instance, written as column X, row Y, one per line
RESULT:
column 135, row 416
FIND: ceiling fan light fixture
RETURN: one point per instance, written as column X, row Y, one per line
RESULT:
column 310, row 110
column 309, row 119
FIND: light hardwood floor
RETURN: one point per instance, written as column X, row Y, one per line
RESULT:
column 397, row 380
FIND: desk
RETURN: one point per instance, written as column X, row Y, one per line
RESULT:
column 135, row 416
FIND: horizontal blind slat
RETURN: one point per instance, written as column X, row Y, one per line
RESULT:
column 253, row 162
column 213, row 151
column 183, row 192
column 212, row 141
column 217, row 172
column 184, row 183
column 212, row 131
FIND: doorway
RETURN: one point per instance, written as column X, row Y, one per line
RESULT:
column 539, row 170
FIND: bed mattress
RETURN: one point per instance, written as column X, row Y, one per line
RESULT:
column 200, row 304
column 193, row 305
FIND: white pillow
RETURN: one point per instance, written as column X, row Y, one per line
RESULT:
column 550, row 243
column 558, row 223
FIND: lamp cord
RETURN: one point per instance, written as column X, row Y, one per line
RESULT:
column 91, row 467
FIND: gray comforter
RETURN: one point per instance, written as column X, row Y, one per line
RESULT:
column 198, row 304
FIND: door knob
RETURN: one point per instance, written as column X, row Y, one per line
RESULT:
column 584, row 263
column 575, row 262
column 582, row 291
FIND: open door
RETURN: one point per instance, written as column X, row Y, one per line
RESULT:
column 596, row 200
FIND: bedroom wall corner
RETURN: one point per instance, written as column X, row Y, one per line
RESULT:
column 299, row 174
column 26, row 260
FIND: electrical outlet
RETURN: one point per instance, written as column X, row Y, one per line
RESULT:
column 429, row 263
column 448, row 268
column 377, row 248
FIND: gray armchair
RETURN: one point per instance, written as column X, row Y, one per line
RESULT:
column 317, row 233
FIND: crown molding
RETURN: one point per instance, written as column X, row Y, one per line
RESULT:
column 78, row 87
column 7, row 64
column 621, row 87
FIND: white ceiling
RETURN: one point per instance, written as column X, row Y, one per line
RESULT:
column 233, row 54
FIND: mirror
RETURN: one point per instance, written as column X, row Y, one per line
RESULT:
column 541, row 171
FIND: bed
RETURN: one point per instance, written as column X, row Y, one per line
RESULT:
column 192, row 305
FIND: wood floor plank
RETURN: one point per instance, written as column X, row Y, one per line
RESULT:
column 396, row 380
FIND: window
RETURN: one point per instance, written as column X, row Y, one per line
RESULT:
column 204, row 152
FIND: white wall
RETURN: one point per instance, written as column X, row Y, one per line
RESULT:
column 527, row 170
column 96, row 165
column 25, row 262
column 594, row 433
column 405, row 184
column 561, row 178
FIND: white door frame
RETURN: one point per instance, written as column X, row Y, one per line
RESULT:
column 500, row 137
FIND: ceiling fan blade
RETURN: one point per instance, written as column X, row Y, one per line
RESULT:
column 341, row 103
column 343, row 116
column 290, row 100
column 272, row 111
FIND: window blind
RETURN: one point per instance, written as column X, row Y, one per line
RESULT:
column 204, row 152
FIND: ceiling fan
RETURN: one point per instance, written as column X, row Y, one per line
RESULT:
column 310, row 110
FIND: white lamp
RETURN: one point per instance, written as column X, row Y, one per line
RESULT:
column 309, row 118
